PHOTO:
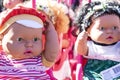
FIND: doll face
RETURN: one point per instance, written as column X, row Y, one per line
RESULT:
column 20, row 42
column 10, row 3
column 105, row 29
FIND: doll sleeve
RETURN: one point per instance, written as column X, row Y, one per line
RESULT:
column 91, row 51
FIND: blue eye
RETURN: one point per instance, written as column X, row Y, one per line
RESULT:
column 19, row 39
column 114, row 27
column 35, row 39
column 102, row 28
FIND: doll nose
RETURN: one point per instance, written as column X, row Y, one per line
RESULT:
column 29, row 44
column 109, row 31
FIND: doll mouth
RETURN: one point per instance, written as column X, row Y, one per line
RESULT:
column 28, row 52
column 9, row 3
column 109, row 37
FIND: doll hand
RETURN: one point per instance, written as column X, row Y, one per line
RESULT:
column 81, row 43
column 82, row 37
column 49, row 25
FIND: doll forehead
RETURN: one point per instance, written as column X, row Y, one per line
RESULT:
column 108, row 18
column 21, row 31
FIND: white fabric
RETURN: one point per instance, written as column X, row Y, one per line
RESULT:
column 63, row 72
column 104, row 52
column 30, row 23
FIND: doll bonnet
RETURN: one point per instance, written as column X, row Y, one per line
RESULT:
column 28, row 17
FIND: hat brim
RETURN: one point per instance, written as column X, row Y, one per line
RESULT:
column 20, row 17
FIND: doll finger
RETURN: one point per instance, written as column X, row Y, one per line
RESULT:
column 82, row 37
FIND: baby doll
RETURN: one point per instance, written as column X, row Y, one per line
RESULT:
column 98, row 39
column 24, row 56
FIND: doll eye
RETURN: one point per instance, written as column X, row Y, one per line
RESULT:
column 102, row 28
column 19, row 39
column 35, row 39
column 114, row 27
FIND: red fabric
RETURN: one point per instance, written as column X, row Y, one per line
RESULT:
column 50, row 73
column 81, row 60
column 60, row 61
column 0, row 47
column 20, row 10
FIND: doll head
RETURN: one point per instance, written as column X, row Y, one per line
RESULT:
column 101, row 20
column 93, row 10
column 21, row 32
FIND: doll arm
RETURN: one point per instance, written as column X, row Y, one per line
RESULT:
column 51, row 45
column 81, row 44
